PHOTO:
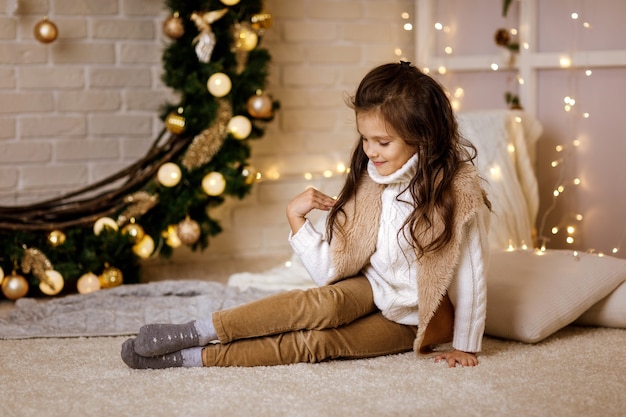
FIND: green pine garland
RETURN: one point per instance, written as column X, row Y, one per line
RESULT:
column 74, row 214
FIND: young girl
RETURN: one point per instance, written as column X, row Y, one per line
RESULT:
column 402, row 262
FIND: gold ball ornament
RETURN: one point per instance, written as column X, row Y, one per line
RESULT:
column 45, row 31
column 56, row 238
column 214, row 183
column 134, row 231
column 14, row 286
column 188, row 231
column 145, row 247
column 259, row 106
column 1, row 275
column 171, row 237
column 230, row 2
column 173, row 27
column 240, row 127
column 169, row 174
column 219, row 84
column 244, row 38
column 261, row 21
column 111, row 277
column 252, row 174
column 104, row 222
column 54, row 283
column 88, row 283
column 175, row 122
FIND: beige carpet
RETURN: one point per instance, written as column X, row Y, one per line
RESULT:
column 576, row 372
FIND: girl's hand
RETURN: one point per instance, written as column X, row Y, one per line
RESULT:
column 457, row 356
column 303, row 203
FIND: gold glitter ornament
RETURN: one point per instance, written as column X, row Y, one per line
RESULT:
column 56, row 238
column 188, row 231
column 45, row 31
column 173, row 27
column 139, row 203
column 88, row 283
column 244, row 38
column 171, row 237
column 14, row 286
column 36, row 262
column 206, row 144
column 53, row 284
column 110, row 277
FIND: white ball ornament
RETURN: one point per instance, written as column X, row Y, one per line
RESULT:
column 219, row 84
column 103, row 222
column 54, row 284
column 169, row 174
column 240, row 127
column 88, row 283
column 214, row 183
column 230, row 2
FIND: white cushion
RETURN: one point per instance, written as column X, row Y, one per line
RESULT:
column 531, row 295
column 608, row 312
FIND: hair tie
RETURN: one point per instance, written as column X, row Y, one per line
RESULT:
column 405, row 64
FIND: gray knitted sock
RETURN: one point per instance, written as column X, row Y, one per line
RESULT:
column 159, row 339
column 135, row 361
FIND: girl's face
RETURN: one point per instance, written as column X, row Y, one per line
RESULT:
column 382, row 145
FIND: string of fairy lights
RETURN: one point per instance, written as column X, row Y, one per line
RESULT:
column 569, row 223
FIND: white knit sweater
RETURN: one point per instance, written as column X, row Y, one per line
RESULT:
column 393, row 268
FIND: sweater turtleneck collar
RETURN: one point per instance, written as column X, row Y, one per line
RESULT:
column 401, row 176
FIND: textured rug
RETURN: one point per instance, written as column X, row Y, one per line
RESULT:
column 121, row 310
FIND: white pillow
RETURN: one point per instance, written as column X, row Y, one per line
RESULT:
column 531, row 295
column 608, row 312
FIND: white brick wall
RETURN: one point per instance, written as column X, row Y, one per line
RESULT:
column 85, row 106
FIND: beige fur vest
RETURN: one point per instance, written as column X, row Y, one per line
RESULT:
column 351, row 252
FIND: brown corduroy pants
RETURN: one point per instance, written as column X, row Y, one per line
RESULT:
column 338, row 321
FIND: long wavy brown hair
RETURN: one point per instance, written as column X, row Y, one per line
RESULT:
column 417, row 108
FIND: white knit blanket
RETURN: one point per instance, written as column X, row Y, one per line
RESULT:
column 121, row 310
